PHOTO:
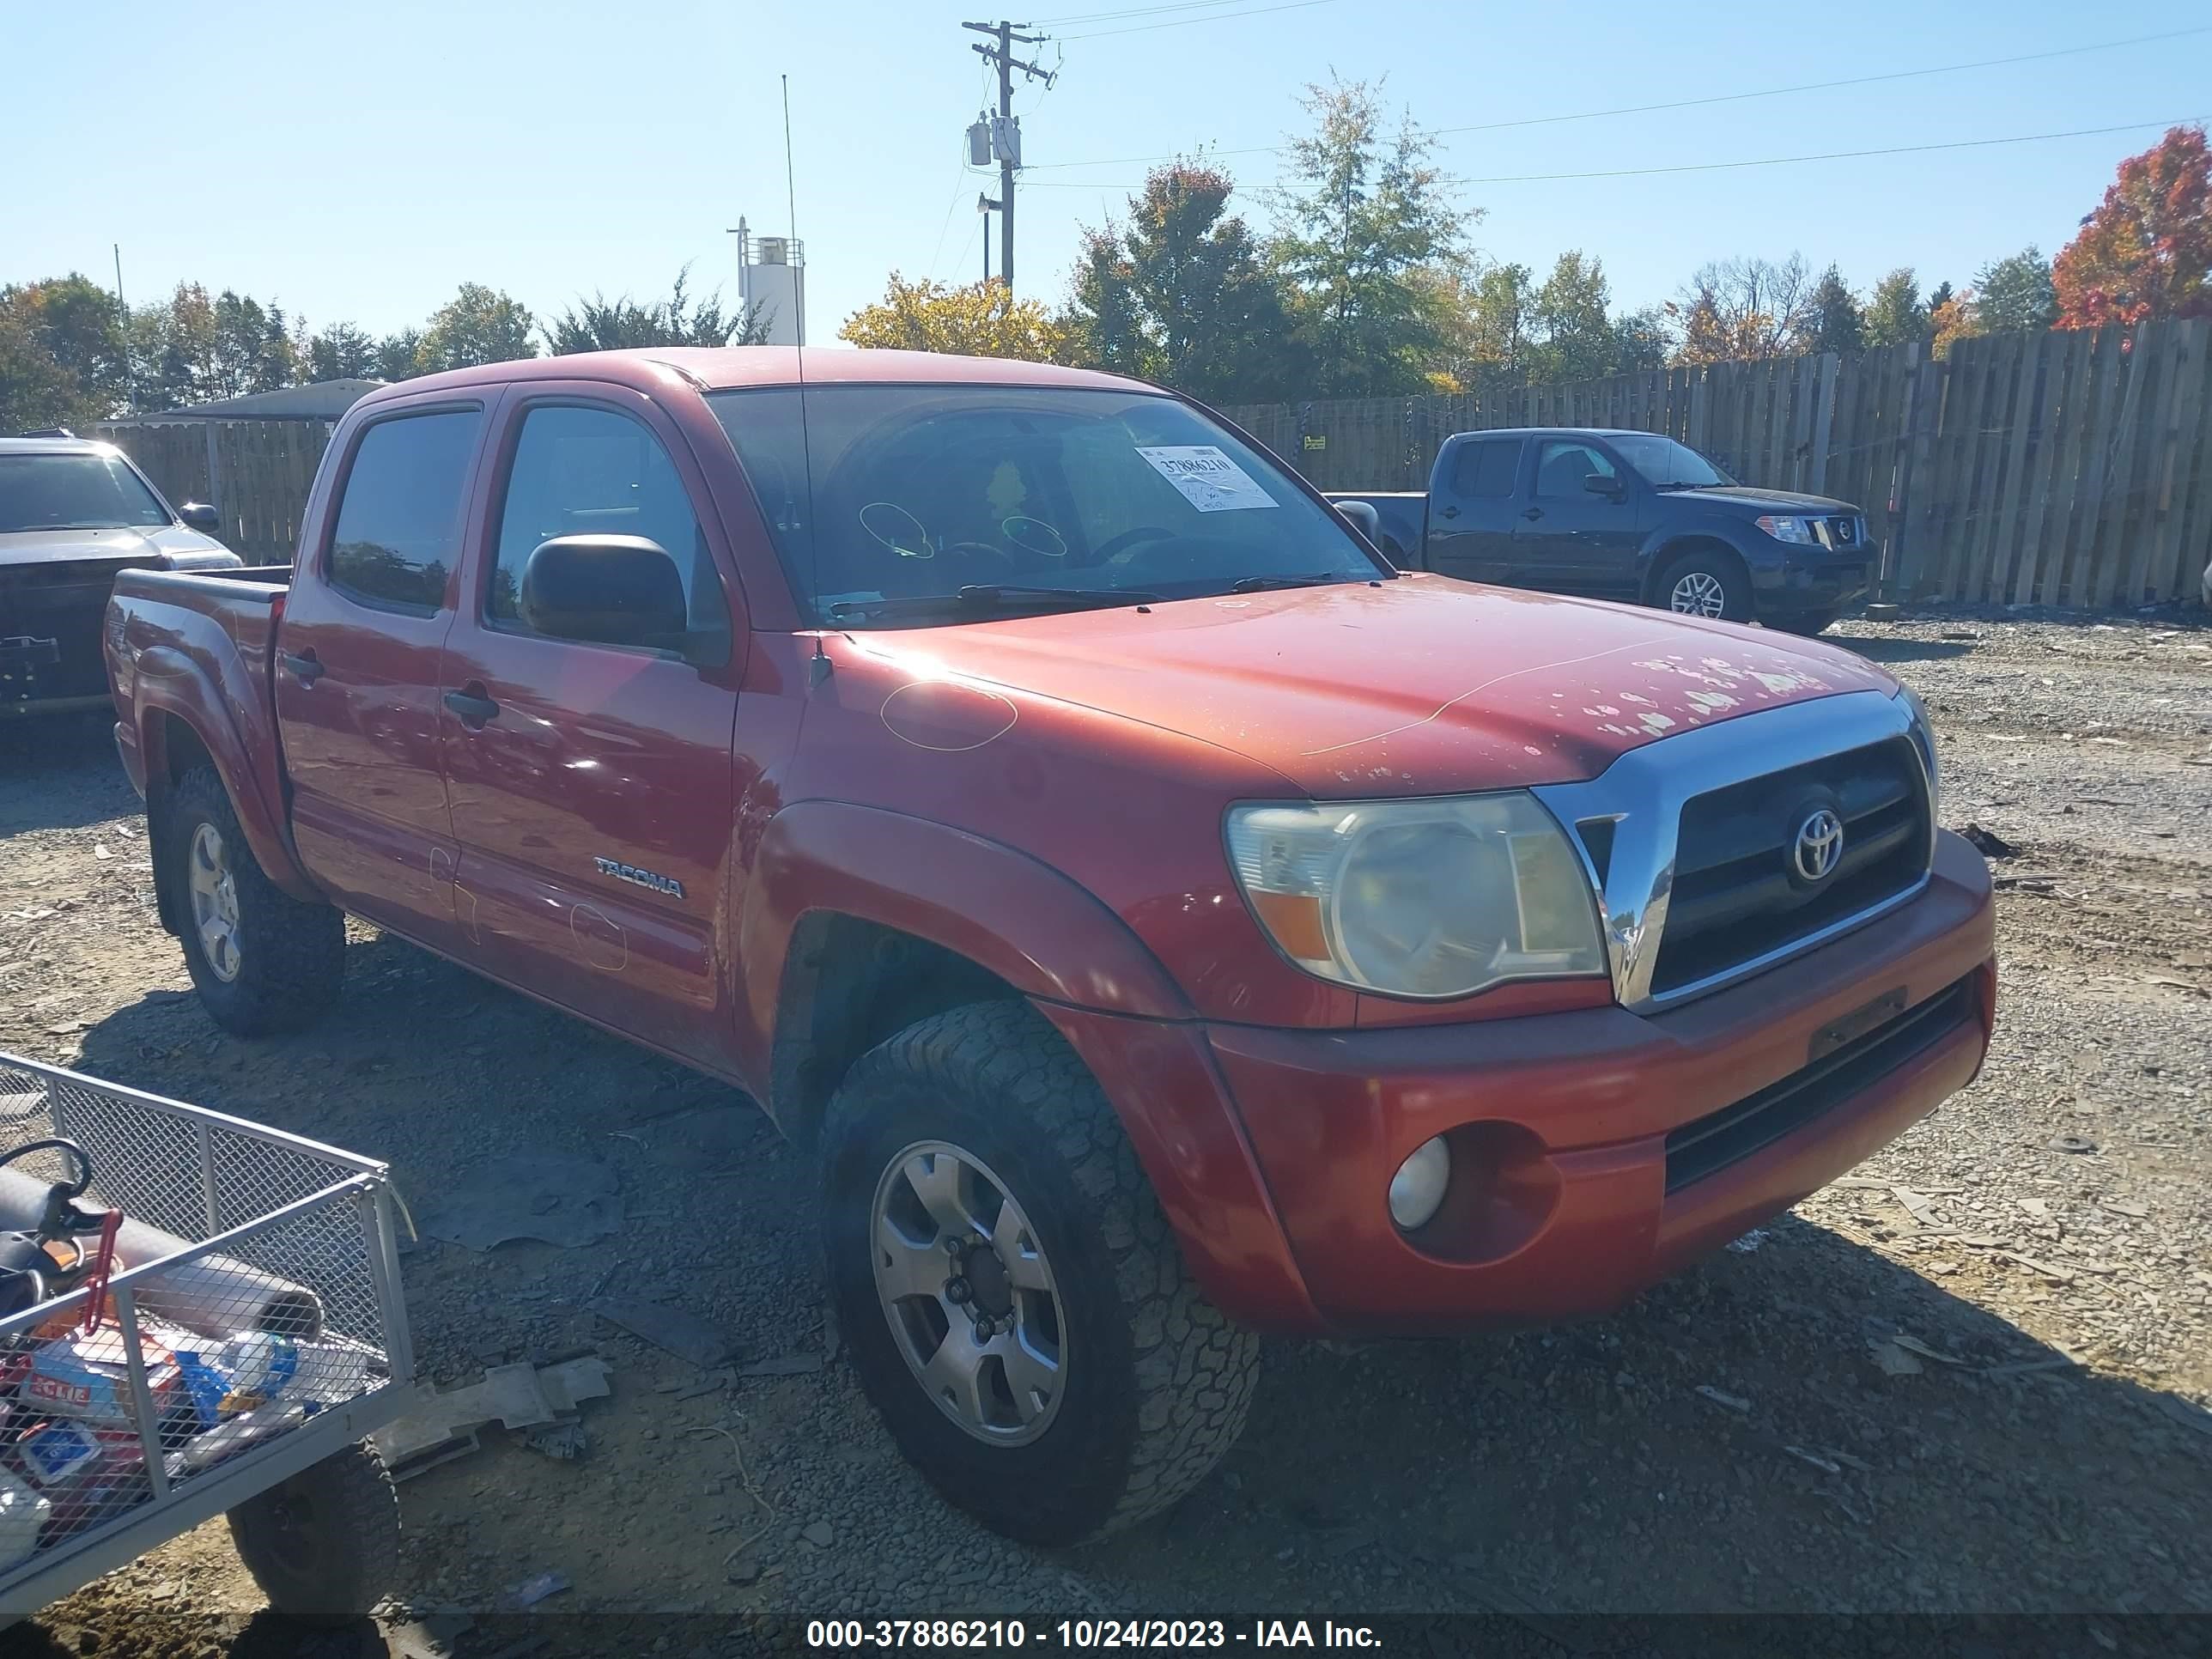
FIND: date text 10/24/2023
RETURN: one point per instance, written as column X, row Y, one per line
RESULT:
column 835, row 1633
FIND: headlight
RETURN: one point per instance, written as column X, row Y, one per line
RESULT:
column 1418, row 898
column 1923, row 738
column 1799, row 531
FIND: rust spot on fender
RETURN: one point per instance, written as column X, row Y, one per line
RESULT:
column 948, row 716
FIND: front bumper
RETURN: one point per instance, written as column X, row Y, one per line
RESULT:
column 1560, row 1124
column 1801, row 583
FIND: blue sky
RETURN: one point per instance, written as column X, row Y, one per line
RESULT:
column 357, row 162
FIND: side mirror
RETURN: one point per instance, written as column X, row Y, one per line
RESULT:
column 1362, row 517
column 1599, row 483
column 199, row 515
column 605, row 590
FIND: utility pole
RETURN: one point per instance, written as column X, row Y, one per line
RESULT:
column 1005, row 137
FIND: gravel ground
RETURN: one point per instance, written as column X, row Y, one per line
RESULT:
column 1971, row 1378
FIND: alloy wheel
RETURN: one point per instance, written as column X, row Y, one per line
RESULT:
column 1698, row 593
column 214, row 888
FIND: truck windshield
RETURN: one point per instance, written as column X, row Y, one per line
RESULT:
column 890, row 496
column 84, row 490
column 1664, row 464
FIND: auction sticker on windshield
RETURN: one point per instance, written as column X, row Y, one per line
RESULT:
column 1209, row 479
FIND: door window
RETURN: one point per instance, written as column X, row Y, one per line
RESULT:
column 1562, row 464
column 579, row 471
column 1483, row 472
column 399, row 521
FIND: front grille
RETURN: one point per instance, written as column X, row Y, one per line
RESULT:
column 1713, row 1142
column 64, row 602
column 1736, row 894
column 1842, row 532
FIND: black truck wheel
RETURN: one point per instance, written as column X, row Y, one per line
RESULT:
column 326, row 1543
column 264, row 962
column 1015, row 1305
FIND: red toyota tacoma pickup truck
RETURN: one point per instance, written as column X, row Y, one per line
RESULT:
column 1167, row 922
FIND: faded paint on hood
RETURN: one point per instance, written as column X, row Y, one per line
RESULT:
column 24, row 547
column 1784, row 501
column 1421, row 686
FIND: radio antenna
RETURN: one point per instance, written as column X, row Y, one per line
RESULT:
column 820, row 666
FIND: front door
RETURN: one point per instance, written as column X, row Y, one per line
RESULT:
column 592, row 783
column 357, row 673
column 1570, row 539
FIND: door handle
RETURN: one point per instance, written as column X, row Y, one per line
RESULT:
column 1448, row 513
column 303, row 668
column 1532, row 514
column 475, row 710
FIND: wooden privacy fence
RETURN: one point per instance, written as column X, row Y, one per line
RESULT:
column 2071, row 467
column 255, row 473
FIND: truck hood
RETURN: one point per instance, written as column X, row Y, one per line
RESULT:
column 26, row 547
column 1421, row 686
column 1766, row 501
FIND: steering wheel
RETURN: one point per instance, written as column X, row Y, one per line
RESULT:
column 998, row 553
column 1128, row 539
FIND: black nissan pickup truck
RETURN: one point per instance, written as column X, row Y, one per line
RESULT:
column 1625, row 515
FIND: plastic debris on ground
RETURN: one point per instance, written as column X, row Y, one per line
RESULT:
column 681, row 1333
column 539, row 1402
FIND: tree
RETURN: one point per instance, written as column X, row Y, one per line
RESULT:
column 600, row 324
column 1178, row 294
column 65, row 359
column 1939, row 296
column 1956, row 317
column 399, row 356
column 172, row 348
column 1838, row 325
column 1500, row 337
column 2145, row 253
column 251, row 350
column 2015, row 293
column 1641, row 339
column 1744, row 308
column 342, row 352
column 980, row 319
column 1366, row 209
column 1574, row 323
column 478, row 325
column 1894, row 315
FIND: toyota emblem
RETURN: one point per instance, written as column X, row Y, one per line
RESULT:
column 1819, row 845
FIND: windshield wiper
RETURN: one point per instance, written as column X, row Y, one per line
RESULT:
column 986, row 597
column 1263, row 584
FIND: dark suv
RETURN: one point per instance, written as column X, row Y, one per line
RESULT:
column 1626, row 515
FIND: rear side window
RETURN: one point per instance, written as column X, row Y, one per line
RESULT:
column 1483, row 472
column 399, row 522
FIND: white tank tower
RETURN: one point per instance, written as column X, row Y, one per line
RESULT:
column 772, row 275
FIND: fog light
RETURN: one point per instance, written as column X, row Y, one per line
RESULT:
column 1418, row 1186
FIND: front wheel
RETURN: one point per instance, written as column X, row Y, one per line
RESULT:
column 262, row 960
column 1709, row 584
column 1017, row 1309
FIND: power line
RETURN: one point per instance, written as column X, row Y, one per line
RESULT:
column 1212, row 17
column 1134, row 11
column 1721, row 98
column 1719, row 166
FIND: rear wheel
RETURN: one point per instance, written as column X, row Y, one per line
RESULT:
column 263, row 961
column 1705, row 584
column 1017, row 1307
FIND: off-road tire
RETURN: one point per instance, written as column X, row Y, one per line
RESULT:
column 325, row 1544
column 1722, row 568
column 1158, row 1381
column 291, row 953
column 1806, row 624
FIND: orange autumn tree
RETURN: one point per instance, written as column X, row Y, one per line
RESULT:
column 2146, row 253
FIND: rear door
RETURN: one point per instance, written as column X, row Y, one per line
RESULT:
column 1569, row 539
column 357, row 670
column 592, row 783
column 1471, row 510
